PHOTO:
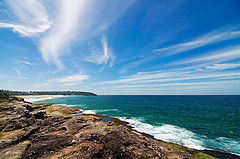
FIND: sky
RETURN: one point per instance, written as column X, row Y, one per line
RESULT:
column 158, row 47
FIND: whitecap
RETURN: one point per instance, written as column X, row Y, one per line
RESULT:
column 226, row 144
column 68, row 105
column 35, row 99
column 106, row 110
column 88, row 112
column 166, row 132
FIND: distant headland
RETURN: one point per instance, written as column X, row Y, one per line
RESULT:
column 48, row 93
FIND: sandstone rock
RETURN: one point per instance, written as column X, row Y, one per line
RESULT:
column 19, row 123
column 15, row 151
column 30, row 134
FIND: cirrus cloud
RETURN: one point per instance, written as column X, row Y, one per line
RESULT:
column 63, row 23
column 102, row 56
column 70, row 80
column 30, row 17
column 79, row 21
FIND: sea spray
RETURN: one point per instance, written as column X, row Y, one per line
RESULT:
column 167, row 132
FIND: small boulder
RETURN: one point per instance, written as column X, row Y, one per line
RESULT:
column 39, row 115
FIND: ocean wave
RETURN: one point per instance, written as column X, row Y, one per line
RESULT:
column 166, row 132
column 224, row 144
column 35, row 99
column 230, row 144
column 68, row 105
column 89, row 112
column 106, row 110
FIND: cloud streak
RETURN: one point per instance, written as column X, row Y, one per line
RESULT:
column 178, row 84
column 79, row 21
column 203, row 40
column 169, row 77
column 221, row 55
column 23, row 62
column 223, row 66
column 31, row 17
column 64, row 29
column 71, row 80
column 20, row 76
column 102, row 56
column 60, row 25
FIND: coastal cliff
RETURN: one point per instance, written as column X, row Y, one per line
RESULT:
column 45, row 130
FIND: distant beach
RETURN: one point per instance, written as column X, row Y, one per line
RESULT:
column 32, row 96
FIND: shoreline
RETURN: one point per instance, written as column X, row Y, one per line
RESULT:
column 46, row 130
column 215, row 153
column 31, row 96
column 117, row 121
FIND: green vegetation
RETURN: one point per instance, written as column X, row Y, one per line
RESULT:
column 4, row 97
column 191, row 151
column 203, row 155
column 48, row 93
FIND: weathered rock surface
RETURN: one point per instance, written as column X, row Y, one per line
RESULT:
column 32, row 131
column 15, row 151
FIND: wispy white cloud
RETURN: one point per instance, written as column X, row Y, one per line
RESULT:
column 140, row 77
column 102, row 56
column 61, row 24
column 149, row 78
column 71, row 80
column 135, row 63
column 194, row 76
column 30, row 17
column 23, row 62
column 79, row 21
column 63, row 31
column 223, row 66
column 179, row 84
column 221, row 55
column 19, row 74
column 203, row 40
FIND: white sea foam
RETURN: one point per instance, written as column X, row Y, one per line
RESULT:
column 68, row 105
column 228, row 144
column 88, row 112
column 35, row 99
column 168, row 133
column 106, row 110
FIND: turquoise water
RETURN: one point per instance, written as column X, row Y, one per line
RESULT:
column 201, row 122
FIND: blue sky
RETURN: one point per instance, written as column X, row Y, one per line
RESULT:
column 121, row 47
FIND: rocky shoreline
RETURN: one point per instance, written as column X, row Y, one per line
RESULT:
column 45, row 130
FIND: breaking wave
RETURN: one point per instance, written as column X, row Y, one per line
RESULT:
column 167, row 132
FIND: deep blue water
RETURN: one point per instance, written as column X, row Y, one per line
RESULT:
column 201, row 122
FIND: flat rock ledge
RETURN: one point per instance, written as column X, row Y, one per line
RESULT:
column 49, row 131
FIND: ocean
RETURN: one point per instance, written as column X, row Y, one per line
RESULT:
column 200, row 122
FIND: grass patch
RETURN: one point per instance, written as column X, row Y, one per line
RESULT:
column 191, row 151
column 203, row 156
column 4, row 97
